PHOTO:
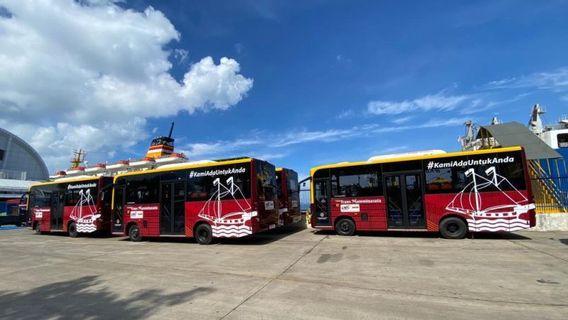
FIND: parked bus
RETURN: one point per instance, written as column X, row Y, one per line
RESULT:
column 288, row 196
column 10, row 213
column 450, row 193
column 78, row 205
column 209, row 199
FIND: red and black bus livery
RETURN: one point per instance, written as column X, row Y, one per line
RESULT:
column 75, row 206
column 453, row 193
column 288, row 196
column 208, row 199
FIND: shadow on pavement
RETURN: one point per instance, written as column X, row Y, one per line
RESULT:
column 563, row 241
column 264, row 237
column 261, row 238
column 76, row 299
column 94, row 235
column 428, row 235
column 499, row 235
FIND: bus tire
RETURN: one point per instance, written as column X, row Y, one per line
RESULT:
column 134, row 233
column 203, row 234
column 345, row 227
column 73, row 233
column 36, row 229
column 453, row 228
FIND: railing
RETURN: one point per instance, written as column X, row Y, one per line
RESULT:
column 550, row 193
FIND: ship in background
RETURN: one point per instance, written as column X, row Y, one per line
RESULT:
column 555, row 136
column 546, row 148
column 160, row 154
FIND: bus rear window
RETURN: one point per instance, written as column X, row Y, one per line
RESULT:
column 265, row 180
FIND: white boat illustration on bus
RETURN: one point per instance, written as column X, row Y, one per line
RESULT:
column 84, row 212
column 232, row 224
column 501, row 217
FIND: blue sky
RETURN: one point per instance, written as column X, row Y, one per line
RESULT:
column 328, row 81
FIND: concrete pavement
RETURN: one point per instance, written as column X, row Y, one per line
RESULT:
column 284, row 275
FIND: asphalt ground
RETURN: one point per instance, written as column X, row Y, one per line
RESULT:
column 285, row 274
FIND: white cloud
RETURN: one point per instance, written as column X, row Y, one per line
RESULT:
column 439, row 101
column 402, row 119
column 389, row 150
column 221, row 148
column 273, row 146
column 297, row 137
column 89, row 74
column 269, row 156
column 556, row 80
column 432, row 123
column 345, row 114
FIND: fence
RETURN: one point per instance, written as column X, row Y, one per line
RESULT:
column 550, row 189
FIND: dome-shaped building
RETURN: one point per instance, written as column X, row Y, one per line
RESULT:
column 18, row 160
column 20, row 167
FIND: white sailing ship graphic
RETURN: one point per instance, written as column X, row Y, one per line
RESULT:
column 232, row 224
column 84, row 212
column 502, row 217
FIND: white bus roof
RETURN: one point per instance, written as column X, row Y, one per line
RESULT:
column 406, row 154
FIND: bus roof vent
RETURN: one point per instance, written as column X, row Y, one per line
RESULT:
column 406, row 154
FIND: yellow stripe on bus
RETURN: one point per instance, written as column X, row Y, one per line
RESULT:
column 407, row 158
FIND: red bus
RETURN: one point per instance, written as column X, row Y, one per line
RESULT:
column 451, row 193
column 210, row 199
column 77, row 205
column 288, row 196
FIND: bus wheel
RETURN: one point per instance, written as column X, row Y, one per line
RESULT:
column 134, row 233
column 36, row 229
column 203, row 234
column 73, row 230
column 453, row 228
column 345, row 227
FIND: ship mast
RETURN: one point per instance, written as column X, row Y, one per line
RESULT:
column 535, row 122
column 78, row 158
column 466, row 140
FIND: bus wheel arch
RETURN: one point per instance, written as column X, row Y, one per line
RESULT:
column 203, row 233
column 134, row 232
column 72, row 229
column 345, row 226
column 453, row 227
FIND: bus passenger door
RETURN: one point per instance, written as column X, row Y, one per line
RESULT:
column 405, row 203
column 57, row 203
column 322, row 199
column 172, row 208
column 117, row 220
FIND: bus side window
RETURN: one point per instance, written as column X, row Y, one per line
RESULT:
column 359, row 182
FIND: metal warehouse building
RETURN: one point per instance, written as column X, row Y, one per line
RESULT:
column 20, row 166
